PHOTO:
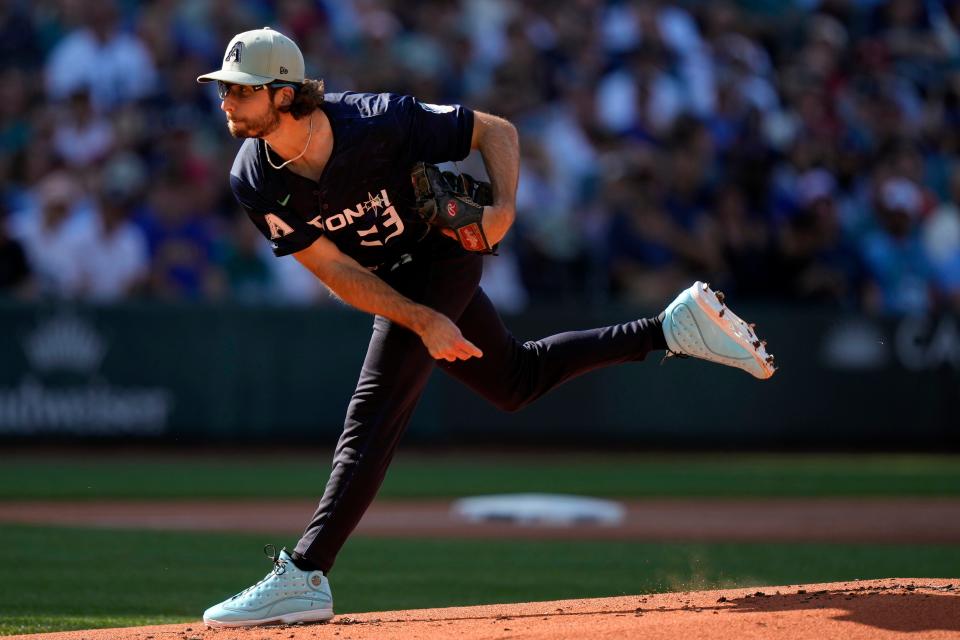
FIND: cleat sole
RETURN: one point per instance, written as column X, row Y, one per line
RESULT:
column 735, row 327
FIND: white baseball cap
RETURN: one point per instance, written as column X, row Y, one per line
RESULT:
column 260, row 56
column 901, row 194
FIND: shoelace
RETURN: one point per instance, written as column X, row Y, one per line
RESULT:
column 279, row 568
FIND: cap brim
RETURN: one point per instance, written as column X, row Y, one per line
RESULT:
column 235, row 77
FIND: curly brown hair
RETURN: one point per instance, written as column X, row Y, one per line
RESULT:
column 307, row 98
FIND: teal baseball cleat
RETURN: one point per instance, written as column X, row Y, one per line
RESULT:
column 698, row 324
column 286, row 595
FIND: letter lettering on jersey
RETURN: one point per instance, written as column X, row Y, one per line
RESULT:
column 367, row 232
column 389, row 219
column 278, row 228
column 354, row 215
column 392, row 219
column 336, row 222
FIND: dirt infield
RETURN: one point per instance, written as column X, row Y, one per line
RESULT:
column 917, row 521
column 872, row 609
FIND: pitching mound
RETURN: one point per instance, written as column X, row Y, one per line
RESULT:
column 890, row 608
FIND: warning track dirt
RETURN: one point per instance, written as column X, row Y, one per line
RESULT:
column 872, row 520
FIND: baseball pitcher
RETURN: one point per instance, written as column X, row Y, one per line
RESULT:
column 347, row 183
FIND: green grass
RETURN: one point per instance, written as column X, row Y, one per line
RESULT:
column 272, row 475
column 60, row 578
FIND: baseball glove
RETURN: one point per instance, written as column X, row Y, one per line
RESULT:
column 448, row 201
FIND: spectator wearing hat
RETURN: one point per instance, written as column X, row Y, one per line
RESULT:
column 101, row 57
column 51, row 234
column 900, row 275
column 113, row 261
column 82, row 137
column 941, row 241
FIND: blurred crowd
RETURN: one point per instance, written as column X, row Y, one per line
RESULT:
column 789, row 150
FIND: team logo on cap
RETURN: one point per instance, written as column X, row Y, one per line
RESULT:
column 234, row 54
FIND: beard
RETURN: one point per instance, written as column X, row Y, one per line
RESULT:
column 255, row 127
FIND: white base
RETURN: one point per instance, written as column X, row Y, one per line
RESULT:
column 538, row 509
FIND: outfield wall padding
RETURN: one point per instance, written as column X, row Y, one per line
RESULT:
column 232, row 373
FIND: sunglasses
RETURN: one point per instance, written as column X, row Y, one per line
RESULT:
column 244, row 91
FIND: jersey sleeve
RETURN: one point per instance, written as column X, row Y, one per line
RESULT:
column 286, row 232
column 434, row 132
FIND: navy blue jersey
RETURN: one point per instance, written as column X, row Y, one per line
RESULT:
column 363, row 200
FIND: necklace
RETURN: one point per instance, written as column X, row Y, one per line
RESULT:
column 300, row 155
